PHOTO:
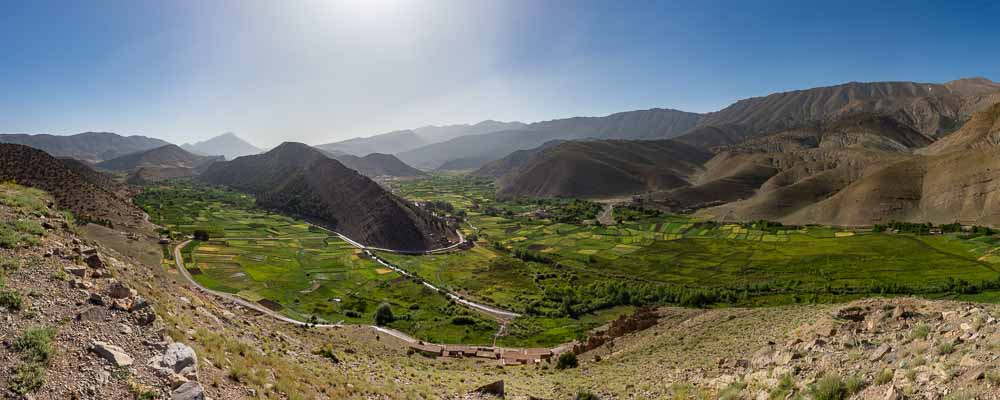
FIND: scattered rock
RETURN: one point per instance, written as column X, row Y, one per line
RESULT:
column 113, row 354
column 879, row 352
column 179, row 358
column 94, row 261
column 495, row 388
column 118, row 290
column 188, row 391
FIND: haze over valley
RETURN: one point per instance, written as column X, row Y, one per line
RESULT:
column 329, row 199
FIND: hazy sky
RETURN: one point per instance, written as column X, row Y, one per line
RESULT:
column 320, row 71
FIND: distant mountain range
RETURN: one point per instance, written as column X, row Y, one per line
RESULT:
column 405, row 140
column 88, row 146
column 299, row 179
column 475, row 150
column 228, row 145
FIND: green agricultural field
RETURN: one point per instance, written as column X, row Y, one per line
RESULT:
column 309, row 275
column 550, row 261
column 674, row 257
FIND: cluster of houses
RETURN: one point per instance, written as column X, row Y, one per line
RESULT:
column 506, row 356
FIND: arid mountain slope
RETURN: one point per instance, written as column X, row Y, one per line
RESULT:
column 603, row 168
column 165, row 162
column 982, row 131
column 88, row 146
column 377, row 165
column 872, row 184
column 298, row 179
column 164, row 156
column 932, row 109
column 227, row 144
column 80, row 193
column 409, row 139
column 481, row 149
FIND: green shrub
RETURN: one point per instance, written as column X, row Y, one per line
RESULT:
column 732, row 392
column 27, row 378
column 945, row 348
column 784, row 387
column 921, row 331
column 586, row 395
column 35, row 345
column 854, row 384
column 884, row 376
column 383, row 314
column 829, row 387
column 10, row 300
column 567, row 360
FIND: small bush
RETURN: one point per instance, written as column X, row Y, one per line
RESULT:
column 462, row 320
column 586, row 395
column 732, row 392
column 27, row 378
column 945, row 348
column 784, row 387
column 921, row 331
column 35, row 345
column 884, row 376
column 854, row 384
column 352, row 314
column 567, row 360
column 383, row 314
column 830, row 387
column 10, row 300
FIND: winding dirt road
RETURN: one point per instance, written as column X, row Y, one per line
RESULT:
column 179, row 262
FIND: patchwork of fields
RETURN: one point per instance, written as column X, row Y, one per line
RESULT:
column 549, row 261
column 305, row 273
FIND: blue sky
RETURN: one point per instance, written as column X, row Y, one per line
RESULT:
column 320, row 71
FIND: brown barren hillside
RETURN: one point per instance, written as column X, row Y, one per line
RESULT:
column 164, row 162
column 76, row 192
column 982, row 131
column 954, row 179
column 930, row 108
column 298, row 179
column 378, row 165
column 602, row 168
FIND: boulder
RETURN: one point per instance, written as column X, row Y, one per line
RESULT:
column 94, row 261
column 879, row 352
column 190, row 390
column 113, row 354
column 144, row 317
column 92, row 314
column 118, row 290
column 121, row 304
column 179, row 358
column 495, row 389
column 96, row 298
column 76, row 271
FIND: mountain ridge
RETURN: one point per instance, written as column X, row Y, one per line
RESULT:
column 301, row 180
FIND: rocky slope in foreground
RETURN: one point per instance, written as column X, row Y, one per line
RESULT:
column 71, row 329
column 298, row 179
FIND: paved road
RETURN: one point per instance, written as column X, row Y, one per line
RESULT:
column 179, row 261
